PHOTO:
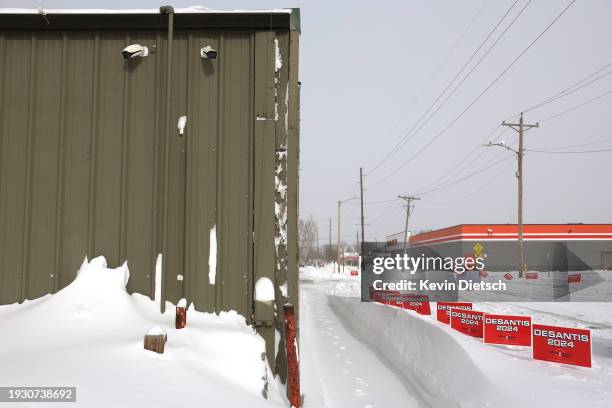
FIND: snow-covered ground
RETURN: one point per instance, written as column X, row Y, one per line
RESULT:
column 441, row 367
column 327, row 272
column 90, row 335
column 337, row 368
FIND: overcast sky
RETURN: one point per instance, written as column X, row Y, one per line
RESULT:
column 370, row 70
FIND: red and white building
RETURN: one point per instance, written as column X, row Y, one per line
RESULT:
column 547, row 246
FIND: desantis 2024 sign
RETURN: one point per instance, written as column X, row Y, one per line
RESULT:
column 508, row 330
column 467, row 321
column 443, row 309
column 562, row 345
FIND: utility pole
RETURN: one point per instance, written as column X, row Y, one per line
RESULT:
column 318, row 253
column 338, row 241
column 329, row 253
column 340, row 227
column 361, row 197
column 408, row 199
column 521, row 128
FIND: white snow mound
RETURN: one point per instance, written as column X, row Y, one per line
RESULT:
column 90, row 335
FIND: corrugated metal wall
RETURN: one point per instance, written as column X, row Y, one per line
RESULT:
column 82, row 139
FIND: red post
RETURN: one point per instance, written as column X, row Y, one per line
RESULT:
column 293, row 380
column 181, row 314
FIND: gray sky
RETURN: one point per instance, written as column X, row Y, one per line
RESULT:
column 366, row 72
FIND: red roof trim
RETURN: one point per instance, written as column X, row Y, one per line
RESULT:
column 510, row 232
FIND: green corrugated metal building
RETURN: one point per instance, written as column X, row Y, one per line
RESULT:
column 92, row 161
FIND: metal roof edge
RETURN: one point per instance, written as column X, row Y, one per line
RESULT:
column 295, row 20
column 257, row 20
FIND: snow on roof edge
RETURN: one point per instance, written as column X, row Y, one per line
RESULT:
column 187, row 10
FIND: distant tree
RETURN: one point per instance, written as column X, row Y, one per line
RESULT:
column 329, row 252
column 308, row 231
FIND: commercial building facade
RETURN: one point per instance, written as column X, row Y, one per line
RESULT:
column 92, row 160
column 548, row 247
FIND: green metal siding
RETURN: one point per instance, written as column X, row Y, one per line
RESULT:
column 82, row 138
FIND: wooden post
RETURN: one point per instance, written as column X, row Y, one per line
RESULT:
column 181, row 314
column 520, row 128
column 155, row 340
column 293, row 380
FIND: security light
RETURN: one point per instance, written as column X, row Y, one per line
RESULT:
column 208, row 52
column 135, row 50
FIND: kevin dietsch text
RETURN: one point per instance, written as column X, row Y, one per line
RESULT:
column 446, row 285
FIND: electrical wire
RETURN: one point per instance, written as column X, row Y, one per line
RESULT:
column 408, row 136
column 390, row 209
column 465, row 162
column 404, row 164
column 573, row 145
column 481, row 187
column 571, row 152
column 444, row 61
column 475, row 173
column 570, row 90
column 573, row 108
column 469, row 73
column 376, row 202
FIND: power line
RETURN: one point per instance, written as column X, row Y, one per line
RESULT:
column 465, row 163
column 574, row 88
column 480, row 170
column 571, row 152
column 573, row 108
column 567, row 91
column 445, row 60
column 573, row 145
column 470, row 72
column 478, row 97
column 482, row 186
column 408, row 136
column 388, row 210
column 378, row 202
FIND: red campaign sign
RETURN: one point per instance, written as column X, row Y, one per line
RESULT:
column 531, row 275
column 418, row 303
column 386, row 297
column 562, row 345
column 443, row 310
column 467, row 321
column 574, row 278
column 395, row 299
column 377, row 295
column 508, row 276
column 509, row 330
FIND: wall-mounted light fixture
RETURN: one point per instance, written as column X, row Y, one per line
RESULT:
column 135, row 50
column 208, row 52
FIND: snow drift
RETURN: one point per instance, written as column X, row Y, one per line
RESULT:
column 90, row 335
column 440, row 370
column 447, row 368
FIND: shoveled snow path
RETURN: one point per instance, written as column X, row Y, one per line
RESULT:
column 337, row 369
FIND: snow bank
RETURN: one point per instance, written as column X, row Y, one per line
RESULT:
column 156, row 331
column 350, row 288
column 433, row 362
column 90, row 335
column 453, row 370
column 327, row 272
